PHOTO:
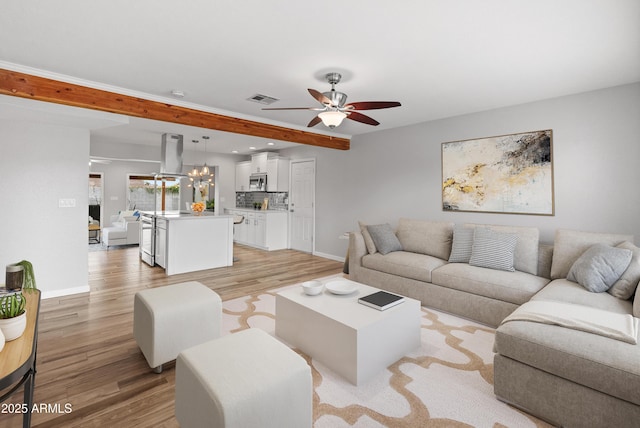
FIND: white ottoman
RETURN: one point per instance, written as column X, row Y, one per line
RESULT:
column 243, row 380
column 170, row 319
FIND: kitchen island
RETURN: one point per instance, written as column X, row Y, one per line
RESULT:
column 186, row 242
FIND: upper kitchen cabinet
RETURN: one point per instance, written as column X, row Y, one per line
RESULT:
column 278, row 175
column 259, row 162
column 243, row 171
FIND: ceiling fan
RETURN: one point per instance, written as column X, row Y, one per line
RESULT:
column 334, row 109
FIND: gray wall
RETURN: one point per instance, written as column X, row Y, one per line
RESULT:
column 39, row 165
column 397, row 173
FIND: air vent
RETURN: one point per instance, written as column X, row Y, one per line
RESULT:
column 262, row 99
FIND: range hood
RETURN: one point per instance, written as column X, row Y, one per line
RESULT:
column 171, row 156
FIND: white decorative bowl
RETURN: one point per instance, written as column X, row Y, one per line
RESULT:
column 312, row 288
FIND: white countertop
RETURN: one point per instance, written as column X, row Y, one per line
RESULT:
column 258, row 211
column 186, row 215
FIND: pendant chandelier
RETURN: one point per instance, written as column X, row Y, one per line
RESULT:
column 202, row 176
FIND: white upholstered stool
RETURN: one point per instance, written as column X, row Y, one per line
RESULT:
column 170, row 319
column 243, row 380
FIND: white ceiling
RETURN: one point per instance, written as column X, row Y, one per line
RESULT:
column 439, row 58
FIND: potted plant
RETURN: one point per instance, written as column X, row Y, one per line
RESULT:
column 13, row 315
column 29, row 281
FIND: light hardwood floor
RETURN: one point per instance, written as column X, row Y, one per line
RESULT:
column 87, row 356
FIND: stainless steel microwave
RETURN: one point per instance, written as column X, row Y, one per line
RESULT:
column 258, row 183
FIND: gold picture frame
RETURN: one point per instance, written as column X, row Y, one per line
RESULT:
column 506, row 174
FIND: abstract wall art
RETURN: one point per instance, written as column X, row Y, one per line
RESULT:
column 509, row 174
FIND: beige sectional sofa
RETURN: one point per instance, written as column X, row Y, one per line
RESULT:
column 565, row 376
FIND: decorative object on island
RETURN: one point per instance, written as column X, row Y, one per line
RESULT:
column 509, row 174
column 197, row 208
column 13, row 316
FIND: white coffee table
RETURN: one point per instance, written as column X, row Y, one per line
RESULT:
column 352, row 339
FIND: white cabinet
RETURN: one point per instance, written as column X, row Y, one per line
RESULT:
column 259, row 163
column 261, row 229
column 257, row 230
column 277, row 175
column 243, row 171
column 161, row 247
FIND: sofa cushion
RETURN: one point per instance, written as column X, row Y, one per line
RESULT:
column 426, row 237
column 525, row 258
column 404, row 264
column 513, row 287
column 368, row 242
column 563, row 290
column 461, row 245
column 606, row 365
column 625, row 287
column 636, row 303
column 598, row 268
column 384, row 238
column 570, row 244
column 493, row 250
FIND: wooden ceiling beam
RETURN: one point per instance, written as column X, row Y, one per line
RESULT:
column 43, row 89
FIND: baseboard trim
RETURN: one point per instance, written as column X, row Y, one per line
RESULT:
column 64, row 292
column 329, row 256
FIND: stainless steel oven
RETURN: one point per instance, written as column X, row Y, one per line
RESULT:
column 147, row 238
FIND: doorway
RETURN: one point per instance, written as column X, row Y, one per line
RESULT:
column 96, row 216
column 302, row 196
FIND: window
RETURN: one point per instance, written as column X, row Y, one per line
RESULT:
column 141, row 195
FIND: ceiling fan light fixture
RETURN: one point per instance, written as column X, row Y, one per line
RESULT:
column 332, row 118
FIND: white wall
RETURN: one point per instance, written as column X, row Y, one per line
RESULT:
column 40, row 164
column 397, row 173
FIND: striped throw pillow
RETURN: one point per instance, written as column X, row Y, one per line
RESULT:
column 462, row 244
column 493, row 250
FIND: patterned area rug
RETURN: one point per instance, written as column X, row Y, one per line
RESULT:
column 447, row 382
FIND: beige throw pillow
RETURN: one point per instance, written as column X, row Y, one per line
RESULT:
column 368, row 242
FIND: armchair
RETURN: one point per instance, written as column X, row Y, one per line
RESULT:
column 124, row 230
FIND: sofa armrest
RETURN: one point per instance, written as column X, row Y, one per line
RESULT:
column 357, row 249
column 133, row 231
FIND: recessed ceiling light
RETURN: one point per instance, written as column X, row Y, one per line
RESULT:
column 234, row 151
column 177, row 93
column 271, row 144
column 252, row 148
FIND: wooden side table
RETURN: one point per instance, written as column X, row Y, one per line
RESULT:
column 95, row 228
column 18, row 358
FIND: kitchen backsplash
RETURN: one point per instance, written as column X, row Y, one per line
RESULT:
column 277, row 200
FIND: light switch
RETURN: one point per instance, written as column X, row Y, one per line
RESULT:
column 66, row 203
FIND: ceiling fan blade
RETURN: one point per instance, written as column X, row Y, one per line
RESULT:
column 291, row 108
column 359, row 117
column 320, row 97
column 316, row 120
column 372, row 105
